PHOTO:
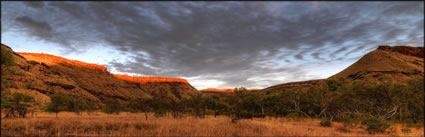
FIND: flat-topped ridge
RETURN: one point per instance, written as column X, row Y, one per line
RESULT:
column 53, row 60
column 150, row 79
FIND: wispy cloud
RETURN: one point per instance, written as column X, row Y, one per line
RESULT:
column 228, row 43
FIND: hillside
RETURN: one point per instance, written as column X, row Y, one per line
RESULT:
column 399, row 62
column 43, row 74
column 281, row 87
column 221, row 92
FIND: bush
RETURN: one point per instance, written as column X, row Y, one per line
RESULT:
column 325, row 123
column 6, row 57
column 343, row 129
column 245, row 114
column 406, row 130
column 62, row 102
column 113, row 106
column 375, row 125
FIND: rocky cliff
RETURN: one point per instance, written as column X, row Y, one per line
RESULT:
column 144, row 80
column 43, row 74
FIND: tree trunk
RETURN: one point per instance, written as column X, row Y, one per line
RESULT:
column 57, row 114
column 146, row 115
column 262, row 110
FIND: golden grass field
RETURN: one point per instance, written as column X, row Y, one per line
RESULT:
column 134, row 124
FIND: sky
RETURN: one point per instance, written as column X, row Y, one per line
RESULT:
column 213, row 44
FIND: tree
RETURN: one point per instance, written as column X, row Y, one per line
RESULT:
column 112, row 106
column 161, row 105
column 17, row 102
column 143, row 105
column 413, row 110
column 58, row 103
column 214, row 103
column 197, row 105
column 325, row 93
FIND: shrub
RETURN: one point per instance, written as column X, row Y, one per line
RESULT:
column 113, row 106
column 406, row 130
column 375, row 125
column 325, row 123
column 343, row 129
column 62, row 102
column 6, row 57
column 245, row 114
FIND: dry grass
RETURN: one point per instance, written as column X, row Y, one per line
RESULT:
column 134, row 124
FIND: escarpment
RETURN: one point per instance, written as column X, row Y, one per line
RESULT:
column 47, row 74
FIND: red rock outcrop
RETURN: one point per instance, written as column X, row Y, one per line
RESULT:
column 218, row 90
column 405, row 50
column 54, row 60
column 224, row 90
column 144, row 80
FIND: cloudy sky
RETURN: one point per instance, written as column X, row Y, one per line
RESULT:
column 213, row 44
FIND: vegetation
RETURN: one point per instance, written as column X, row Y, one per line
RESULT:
column 326, row 123
column 135, row 124
column 16, row 102
column 6, row 57
column 7, row 60
column 62, row 102
column 373, row 104
column 375, row 125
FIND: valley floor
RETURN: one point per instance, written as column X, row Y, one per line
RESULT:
column 135, row 124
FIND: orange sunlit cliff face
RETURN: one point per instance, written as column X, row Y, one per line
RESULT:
column 54, row 60
column 225, row 90
column 150, row 79
column 218, row 90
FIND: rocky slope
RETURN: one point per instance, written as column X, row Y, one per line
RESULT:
column 45, row 74
column 399, row 62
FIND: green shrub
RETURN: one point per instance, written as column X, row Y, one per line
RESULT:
column 325, row 123
column 61, row 102
column 375, row 125
column 6, row 57
column 406, row 130
column 113, row 106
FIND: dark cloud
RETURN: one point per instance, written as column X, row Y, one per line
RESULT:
column 36, row 28
column 225, row 41
column 34, row 4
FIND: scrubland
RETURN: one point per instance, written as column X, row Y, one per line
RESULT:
column 135, row 124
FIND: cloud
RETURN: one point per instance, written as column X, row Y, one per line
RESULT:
column 231, row 42
column 34, row 4
column 36, row 28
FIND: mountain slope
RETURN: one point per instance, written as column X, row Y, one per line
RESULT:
column 399, row 62
column 45, row 74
